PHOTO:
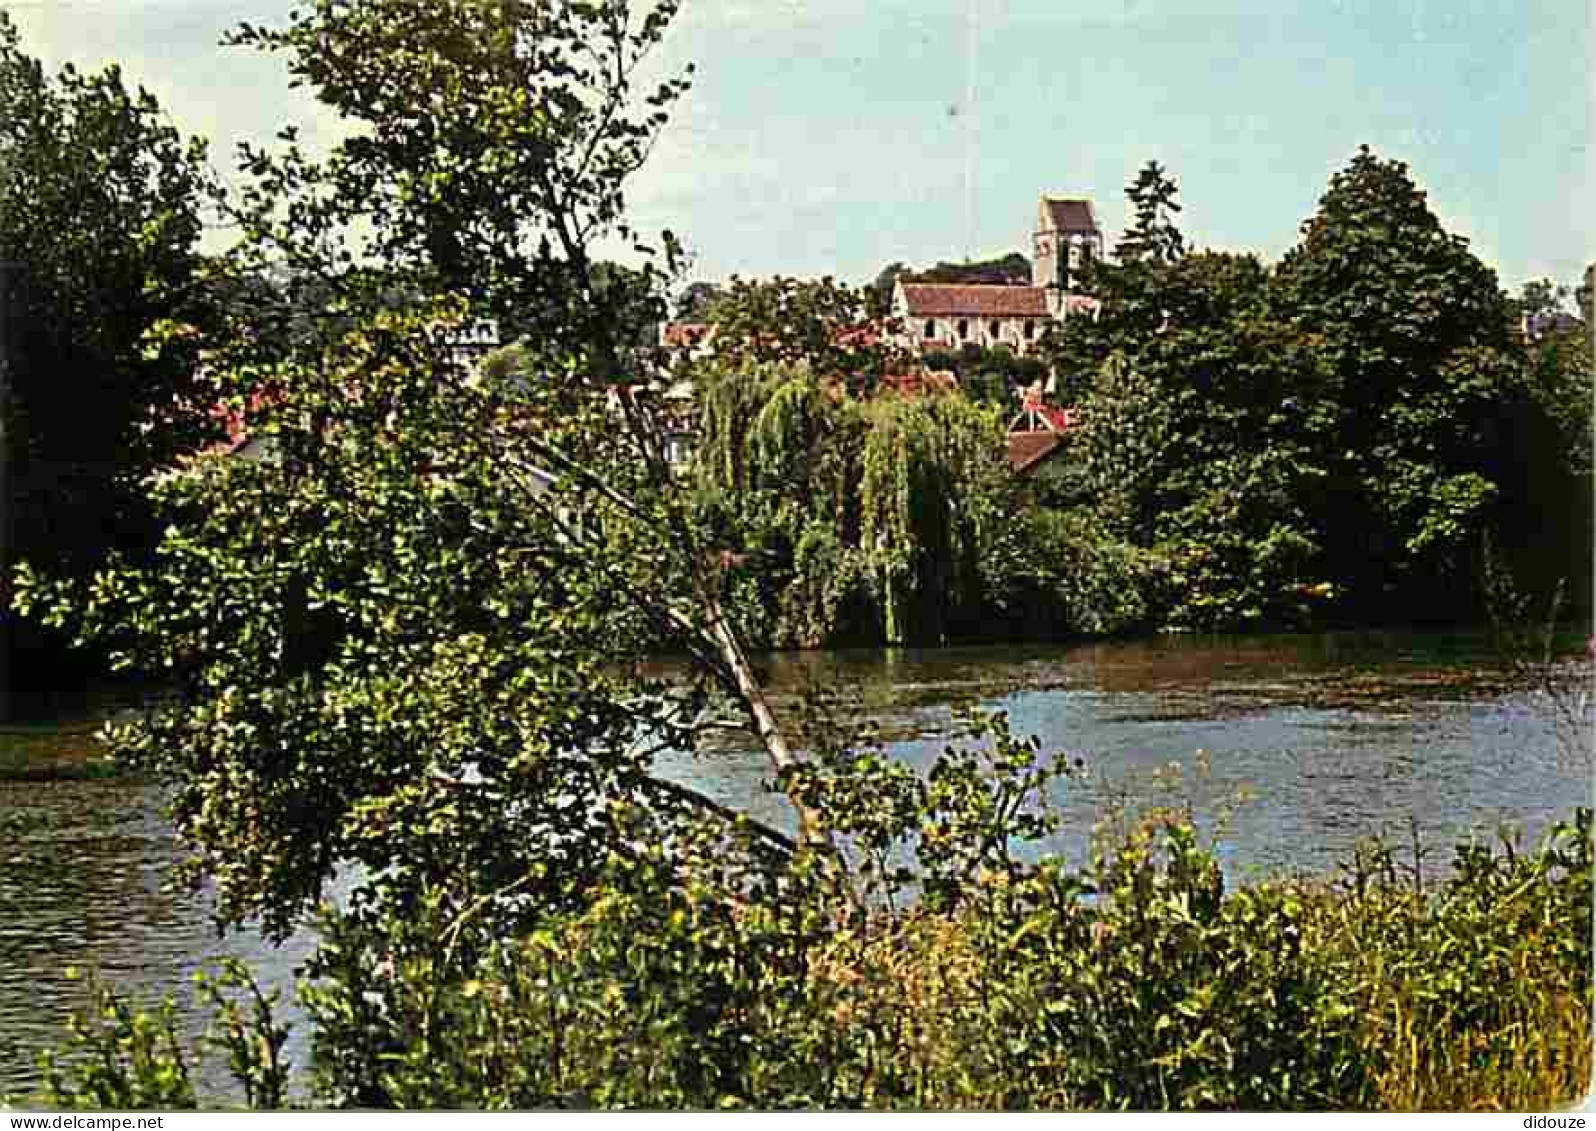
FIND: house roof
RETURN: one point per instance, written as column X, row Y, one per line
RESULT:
column 1027, row 449
column 1068, row 213
column 864, row 335
column 678, row 335
column 974, row 300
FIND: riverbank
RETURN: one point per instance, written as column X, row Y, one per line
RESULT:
column 49, row 751
column 1168, row 990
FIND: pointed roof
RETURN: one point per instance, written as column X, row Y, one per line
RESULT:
column 1066, row 214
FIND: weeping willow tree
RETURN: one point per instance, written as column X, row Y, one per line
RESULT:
column 932, row 495
column 728, row 401
column 873, row 520
column 778, row 450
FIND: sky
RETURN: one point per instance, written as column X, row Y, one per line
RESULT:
column 837, row 136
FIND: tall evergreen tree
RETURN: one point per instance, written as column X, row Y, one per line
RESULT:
column 1153, row 238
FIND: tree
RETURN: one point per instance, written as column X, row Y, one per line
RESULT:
column 819, row 322
column 1013, row 269
column 395, row 627
column 1153, row 238
column 878, row 295
column 1417, row 336
column 695, row 301
column 1131, row 292
column 989, row 374
column 1007, row 270
column 1550, row 542
column 100, row 217
column 863, row 520
column 496, row 141
column 1542, row 297
column 1204, row 422
column 408, row 644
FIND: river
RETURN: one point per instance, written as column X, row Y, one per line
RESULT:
column 1332, row 737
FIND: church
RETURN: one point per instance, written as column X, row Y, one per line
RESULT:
column 947, row 316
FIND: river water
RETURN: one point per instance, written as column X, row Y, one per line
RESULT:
column 1332, row 736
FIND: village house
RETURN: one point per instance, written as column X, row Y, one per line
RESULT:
column 692, row 340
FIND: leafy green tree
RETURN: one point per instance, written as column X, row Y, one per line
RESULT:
column 819, row 322
column 496, row 141
column 1560, row 365
column 349, row 625
column 866, row 520
column 990, row 375
column 932, row 492
column 1131, row 293
column 1417, row 337
column 1011, row 269
column 878, row 295
column 1201, row 438
column 1360, row 414
column 1542, row 297
column 694, row 303
column 1550, row 542
column 101, row 204
column 393, row 631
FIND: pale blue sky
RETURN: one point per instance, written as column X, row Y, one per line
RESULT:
column 832, row 136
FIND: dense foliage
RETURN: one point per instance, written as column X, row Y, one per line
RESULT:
column 405, row 640
column 993, row 375
column 494, row 143
column 1011, row 269
column 1331, row 436
column 862, row 519
column 1138, row 981
column 101, row 204
column 820, row 322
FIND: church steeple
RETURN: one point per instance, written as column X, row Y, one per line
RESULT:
column 1067, row 238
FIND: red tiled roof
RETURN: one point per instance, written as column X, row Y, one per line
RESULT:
column 1059, row 419
column 1038, row 416
column 863, row 335
column 1070, row 214
column 679, row 334
column 1027, row 449
column 974, row 300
